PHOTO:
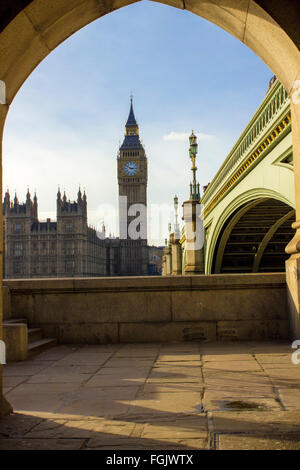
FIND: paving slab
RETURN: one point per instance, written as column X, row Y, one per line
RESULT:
column 258, row 422
column 60, row 375
column 133, row 362
column 41, row 444
column 125, row 372
column 26, row 368
column 13, row 381
column 177, row 428
column 17, row 425
column 66, row 428
column 180, row 357
column 253, row 442
column 241, row 366
column 112, row 380
column 80, row 357
column 171, row 387
column 226, row 357
column 39, row 398
column 149, row 403
column 54, row 354
column 162, row 396
column 93, row 401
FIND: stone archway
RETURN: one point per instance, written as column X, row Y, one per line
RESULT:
column 31, row 29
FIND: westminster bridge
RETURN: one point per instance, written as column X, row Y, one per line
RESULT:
column 249, row 206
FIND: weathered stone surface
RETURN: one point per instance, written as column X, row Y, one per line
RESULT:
column 163, row 309
column 13, row 381
column 290, row 397
column 125, row 362
column 172, row 387
column 188, row 402
column 17, row 425
column 114, row 380
column 15, row 336
column 181, row 357
column 78, row 357
column 180, row 428
column 93, row 401
column 240, row 366
column 54, row 354
column 19, row 369
column 258, row 422
column 253, row 442
column 239, row 399
column 253, row 330
column 152, row 400
column 62, row 428
column 85, row 333
column 41, row 444
column 36, row 399
column 166, row 332
column 64, row 374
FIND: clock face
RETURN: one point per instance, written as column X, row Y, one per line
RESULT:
column 131, row 168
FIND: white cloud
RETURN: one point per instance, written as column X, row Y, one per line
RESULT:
column 180, row 136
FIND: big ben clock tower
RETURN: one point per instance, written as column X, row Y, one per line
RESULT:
column 132, row 179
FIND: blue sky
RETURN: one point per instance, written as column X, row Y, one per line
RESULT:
column 185, row 73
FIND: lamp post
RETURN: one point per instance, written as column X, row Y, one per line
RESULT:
column 193, row 246
column 176, row 226
column 193, row 150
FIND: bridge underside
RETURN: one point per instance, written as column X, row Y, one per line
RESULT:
column 254, row 238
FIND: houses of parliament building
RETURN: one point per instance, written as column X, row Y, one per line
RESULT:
column 69, row 247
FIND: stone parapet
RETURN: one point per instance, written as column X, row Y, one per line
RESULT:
column 150, row 309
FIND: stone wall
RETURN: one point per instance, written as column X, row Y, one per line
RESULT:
column 149, row 309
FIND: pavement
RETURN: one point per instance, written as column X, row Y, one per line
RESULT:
column 154, row 396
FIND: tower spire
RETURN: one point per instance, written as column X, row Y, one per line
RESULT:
column 131, row 121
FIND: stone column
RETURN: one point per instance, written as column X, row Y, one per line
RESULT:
column 163, row 266
column 194, row 244
column 5, row 407
column 167, row 261
column 293, row 248
column 176, row 257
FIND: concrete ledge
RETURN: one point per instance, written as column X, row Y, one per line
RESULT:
column 15, row 336
column 147, row 283
column 149, row 309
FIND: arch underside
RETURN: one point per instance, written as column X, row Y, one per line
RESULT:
column 254, row 238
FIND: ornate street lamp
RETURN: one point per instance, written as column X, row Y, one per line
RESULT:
column 193, row 150
column 176, row 226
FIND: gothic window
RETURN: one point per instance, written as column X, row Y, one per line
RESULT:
column 69, row 226
column 70, row 266
column 70, row 248
column 18, row 228
column 18, row 249
column 17, row 268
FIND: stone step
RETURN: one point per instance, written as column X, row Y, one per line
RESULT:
column 40, row 345
column 34, row 334
column 15, row 320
